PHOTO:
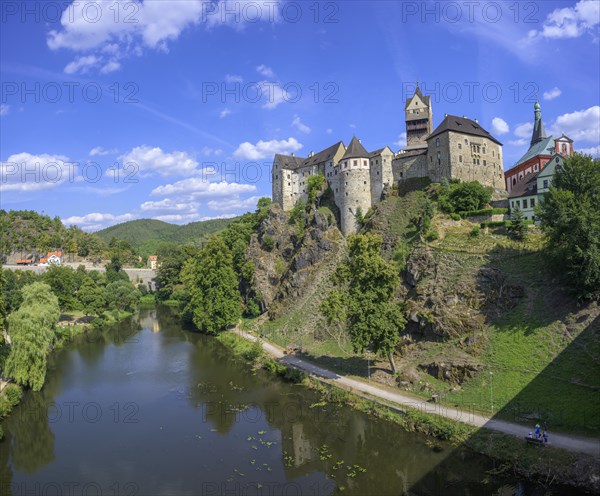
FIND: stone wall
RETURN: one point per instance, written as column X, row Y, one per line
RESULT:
column 381, row 174
column 461, row 152
column 409, row 167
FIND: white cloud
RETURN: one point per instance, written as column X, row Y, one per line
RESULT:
column 27, row 172
column 552, row 94
column 201, row 188
column 519, row 142
column 233, row 78
column 274, row 95
column 233, row 204
column 96, row 221
column 571, row 22
column 582, row 125
column 4, row 109
column 207, row 151
column 82, row 64
column 224, row 113
column 499, row 126
column 187, row 218
column 401, row 141
column 112, row 30
column 100, row 151
column 329, row 130
column 523, row 130
column 594, row 151
column 300, row 126
column 150, row 159
column 169, row 205
column 264, row 149
column 110, row 66
column 265, row 71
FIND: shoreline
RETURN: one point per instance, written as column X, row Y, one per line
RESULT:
column 578, row 466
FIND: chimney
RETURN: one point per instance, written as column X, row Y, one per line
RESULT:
column 311, row 153
column 445, row 115
column 293, row 154
column 476, row 121
column 464, row 117
column 360, row 141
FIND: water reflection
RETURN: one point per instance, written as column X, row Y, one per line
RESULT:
column 152, row 407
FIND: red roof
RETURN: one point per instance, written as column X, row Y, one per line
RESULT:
column 57, row 253
column 152, row 257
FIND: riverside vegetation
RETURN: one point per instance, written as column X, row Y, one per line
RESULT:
column 420, row 299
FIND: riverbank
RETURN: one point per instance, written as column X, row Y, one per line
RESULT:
column 70, row 325
column 570, row 460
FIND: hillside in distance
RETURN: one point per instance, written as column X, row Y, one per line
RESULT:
column 146, row 235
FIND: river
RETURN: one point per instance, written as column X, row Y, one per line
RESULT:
column 148, row 408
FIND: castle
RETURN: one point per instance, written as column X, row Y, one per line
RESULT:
column 458, row 148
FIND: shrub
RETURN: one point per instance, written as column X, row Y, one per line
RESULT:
column 432, row 235
column 464, row 197
column 268, row 243
column 485, row 211
column 454, row 216
column 13, row 394
column 476, row 231
column 279, row 267
column 255, row 352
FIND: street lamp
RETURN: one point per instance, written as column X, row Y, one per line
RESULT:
column 492, row 391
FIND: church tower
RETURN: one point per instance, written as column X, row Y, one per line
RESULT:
column 539, row 133
column 419, row 118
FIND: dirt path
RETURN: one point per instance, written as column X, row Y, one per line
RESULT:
column 571, row 443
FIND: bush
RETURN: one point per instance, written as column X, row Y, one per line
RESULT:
column 476, row 231
column 495, row 223
column 432, row 235
column 268, row 243
column 279, row 267
column 454, row 216
column 255, row 352
column 485, row 211
column 13, row 394
column 464, row 197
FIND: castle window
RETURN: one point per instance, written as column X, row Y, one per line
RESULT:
column 365, row 162
column 460, row 158
column 345, row 165
column 493, row 153
column 289, row 184
column 466, row 141
column 484, row 162
column 288, row 176
column 365, row 182
column 430, row 158
column 525, row 203
column 377, row 172
column 355, row 162
column 439, row 154
column 514, row 181
column 276, row 177
column 459, row 146
column 437, row 142
column 532, row 203
column 336, row 190
column 346, row 194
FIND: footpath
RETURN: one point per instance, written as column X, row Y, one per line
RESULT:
column 567, row 442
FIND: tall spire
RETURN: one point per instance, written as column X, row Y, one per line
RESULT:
column 539, row 133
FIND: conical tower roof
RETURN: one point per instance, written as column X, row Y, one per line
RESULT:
column 355, row 150
column 539, row 132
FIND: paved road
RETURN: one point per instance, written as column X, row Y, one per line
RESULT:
column 571, row 443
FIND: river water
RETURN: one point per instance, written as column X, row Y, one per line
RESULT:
column 148, row 408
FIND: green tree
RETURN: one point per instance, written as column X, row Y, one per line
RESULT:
column 366, row 306
column 63, row 282
column 459, row 197
column 314, row 185
column 213, row 286
column 91, row 297
column 517, row 228
column 31, row 329
column 570, row 218
column 121, row 295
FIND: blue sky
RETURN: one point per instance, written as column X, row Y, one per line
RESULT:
column 117, row 110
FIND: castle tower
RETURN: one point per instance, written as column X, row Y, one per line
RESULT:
column 539, row 133
column 419, row 117
column 355, row 185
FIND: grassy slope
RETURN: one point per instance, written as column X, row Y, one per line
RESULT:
column 544, row 353
column 146, row 235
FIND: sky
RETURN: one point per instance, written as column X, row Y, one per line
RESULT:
column 117, row 110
